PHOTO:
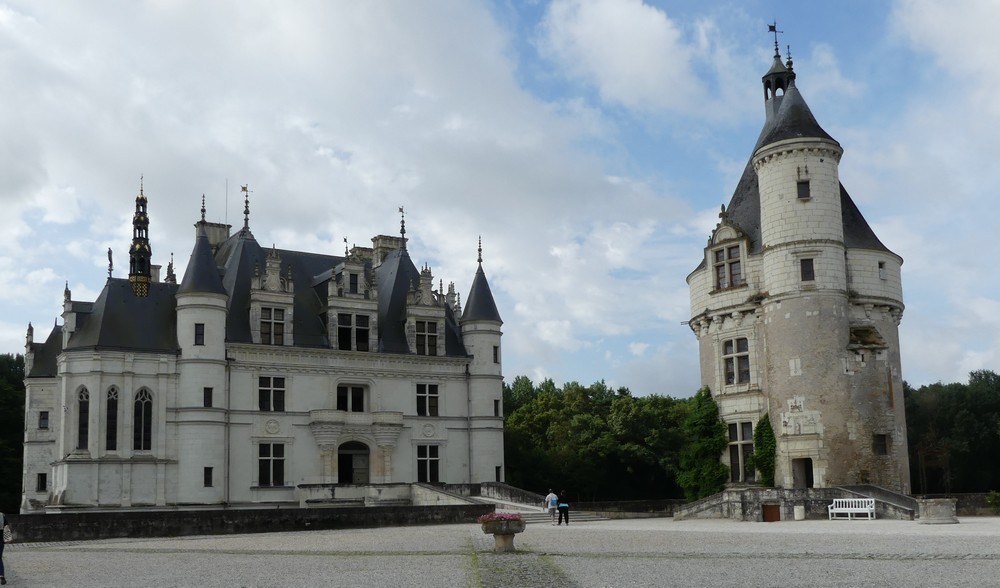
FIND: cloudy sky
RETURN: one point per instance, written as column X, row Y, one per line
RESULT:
column 589, row 143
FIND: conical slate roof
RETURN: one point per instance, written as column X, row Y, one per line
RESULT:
column 793, row 120
column 201, row 275
column 480, row 306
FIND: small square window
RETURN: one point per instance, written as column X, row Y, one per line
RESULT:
column 208, row 477
column 41, row 482
column 199, row 333
column 43, row 419
column 806, row 268
column 880, row 444
column 803, row 189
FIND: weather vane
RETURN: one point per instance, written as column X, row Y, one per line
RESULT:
column 773, row 28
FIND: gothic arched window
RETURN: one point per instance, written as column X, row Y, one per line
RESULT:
column 83, row 425
column 142, row 421
column 111, row 433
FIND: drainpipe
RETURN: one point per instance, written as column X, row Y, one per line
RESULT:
column 468, row 417
column 229, row 410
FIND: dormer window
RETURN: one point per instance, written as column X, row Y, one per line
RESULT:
column 427, row 336
column 272, row 326
column 352, row 329
column 353, row 284
column 728, row 269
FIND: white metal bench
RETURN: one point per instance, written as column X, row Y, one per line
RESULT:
column 852, row 507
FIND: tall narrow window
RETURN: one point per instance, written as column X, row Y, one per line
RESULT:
column 271, row 464
column 41, row 482
column 142, row 421
column 272, row 326
column 351, row 398
column 427, row 400
column 83, row 422
column 881, row 271
column 728, row 269
column 111, row 433
column 271, row 394
column 352, row 330
column 736, row 360
column 880, row 444
column 426, row 338
column 353, row 284
column 43, row 419
column 740, row 450
column 199, row 333
column 207, row 394
column 207, row 477
column 496, row 407
column 806, row 269
column 802, row 188
column 428, row 464
column 496, row 354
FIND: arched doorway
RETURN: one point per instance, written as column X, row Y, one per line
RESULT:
column 352, row 463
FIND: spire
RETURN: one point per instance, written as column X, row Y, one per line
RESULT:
column 480, row 305
column 245, row 232
column 402, row 227
column 778, row 79
column 140, row 254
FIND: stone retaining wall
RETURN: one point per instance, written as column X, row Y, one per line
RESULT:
column 177, row 523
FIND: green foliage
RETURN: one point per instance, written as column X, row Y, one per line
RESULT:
column 11, row 430
column 993, row 499
column 701, row 472
column 950, row 428
column 764, row 449
column 592, row 441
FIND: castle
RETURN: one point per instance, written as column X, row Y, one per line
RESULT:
column 796, row 305
column 265, row 372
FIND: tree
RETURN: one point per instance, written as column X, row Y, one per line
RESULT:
column 11, row 430
column 701, row 471
column 764, row 448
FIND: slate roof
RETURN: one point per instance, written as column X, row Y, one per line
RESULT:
column 119, row 319
column 46, row 354
column 202, row 274
column 480, row 306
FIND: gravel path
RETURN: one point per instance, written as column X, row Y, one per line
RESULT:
column 643, row 552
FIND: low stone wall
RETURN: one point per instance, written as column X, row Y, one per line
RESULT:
column 631, row 508
column 969, row 505
column 176, row 523
column 508, row 493
column 747, row 504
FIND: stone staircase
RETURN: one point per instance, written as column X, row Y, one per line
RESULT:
column 534, row 514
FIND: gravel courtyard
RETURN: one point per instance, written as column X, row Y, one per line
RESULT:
column 641, row 552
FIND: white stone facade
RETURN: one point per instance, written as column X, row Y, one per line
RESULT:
column 216, row 422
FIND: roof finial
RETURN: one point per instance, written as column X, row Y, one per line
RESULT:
column 773, row 28
column 402, row 226
column 111, row 264
column 140, row 184
column 346, row 251
column 202, row 208
column 788, row 63
column 246, row 207
column 480, row 260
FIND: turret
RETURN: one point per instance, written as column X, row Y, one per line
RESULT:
column 139, row 254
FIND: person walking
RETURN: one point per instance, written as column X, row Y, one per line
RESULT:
column 3, row 525
column 551, row 502
column 563, row 509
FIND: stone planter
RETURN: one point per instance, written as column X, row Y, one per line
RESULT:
column 503, row 533
column 937, row 511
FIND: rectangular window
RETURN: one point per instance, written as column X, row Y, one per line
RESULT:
column 41, row 482
column 427, row 338
column 728, row 269
column 881, row 271
column 207, row 397
column 806, row 266
column 428, row 464
column 272, row 326
column 83, row 420
column 736, row 359
column 271, row 464
column 496, row 407
column 498, row 470
column 271, row 394
column 880, row 444
column 199, row 333
column 351, row 398
column 207, row 475
column 740, row 449
column 352, row 329
column 802, row 188
column 43, row 419
column 427, row 400
column 354, row 284
column 496, row 354
column 111, row 433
